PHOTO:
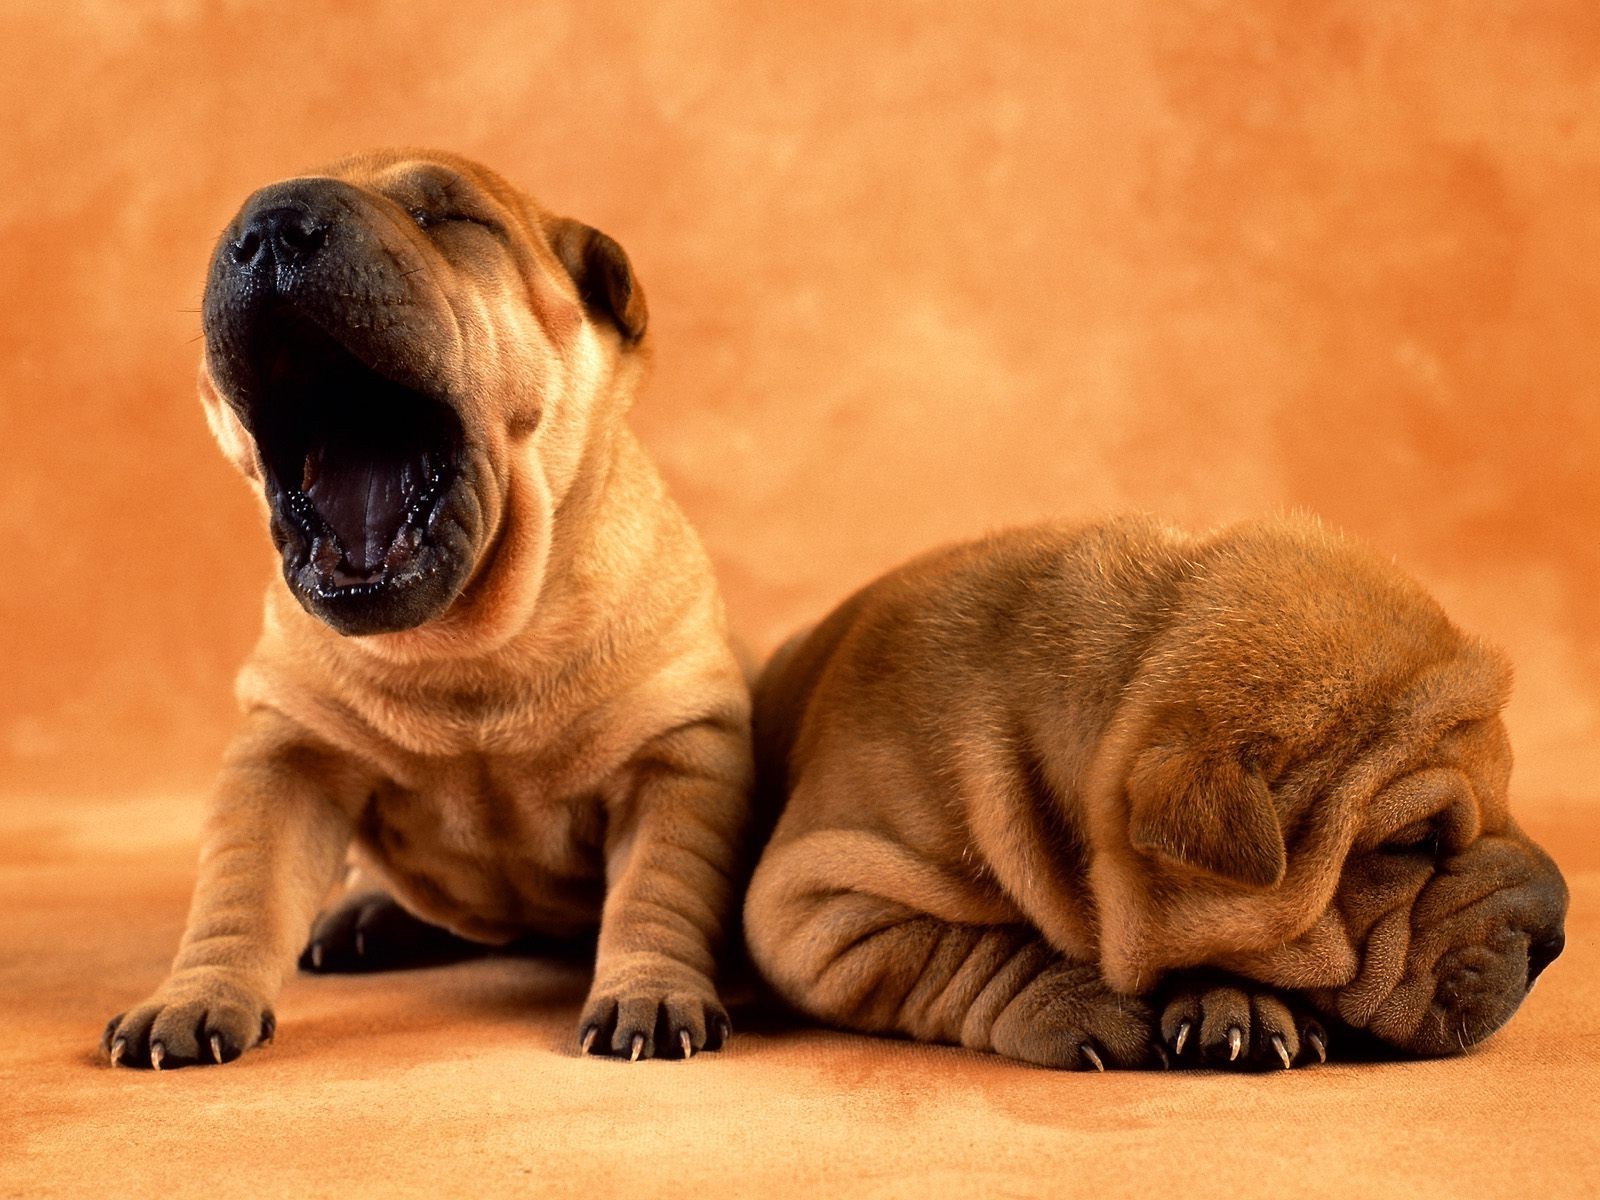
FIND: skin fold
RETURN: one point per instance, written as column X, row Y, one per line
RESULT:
column 1115, row 794
column 521, row 717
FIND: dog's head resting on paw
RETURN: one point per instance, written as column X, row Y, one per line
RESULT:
column 415, row 362
column 1306, row 783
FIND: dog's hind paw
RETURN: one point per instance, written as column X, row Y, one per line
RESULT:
column 368, row 931
column 1069, row 1019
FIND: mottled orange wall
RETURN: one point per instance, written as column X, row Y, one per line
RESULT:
column 915, row 270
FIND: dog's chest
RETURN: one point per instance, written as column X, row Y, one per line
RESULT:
column 490, row 848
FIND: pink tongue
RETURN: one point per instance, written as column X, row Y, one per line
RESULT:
column 362, row 496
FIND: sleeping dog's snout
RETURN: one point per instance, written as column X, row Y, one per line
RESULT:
column 1543, row 952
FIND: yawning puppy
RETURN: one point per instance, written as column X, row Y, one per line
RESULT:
column 496, row 662
column 1031, row 783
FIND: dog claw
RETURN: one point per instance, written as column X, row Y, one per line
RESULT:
column 1320, row 1046
column 361, row 944
column 216, row 1049
column 316, row 956
column 687, row 1043
column 1183, row 1036
column 1235, row 1042
column 589, row 1035
column 638, row 1047
column 1161, row 1057
column 157, row 1053
column 118, row 1048
column 1088, row 1052
column 1283, row 1051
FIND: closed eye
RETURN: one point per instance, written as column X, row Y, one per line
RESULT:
column 429, row 219
column 1420, row 838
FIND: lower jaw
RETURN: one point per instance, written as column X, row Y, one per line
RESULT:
column 1438, row 1032
column 383, row 610
column 415, row 584
column 1441, row 1034
column 408, row 595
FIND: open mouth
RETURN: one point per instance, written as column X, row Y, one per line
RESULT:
column 357, row 465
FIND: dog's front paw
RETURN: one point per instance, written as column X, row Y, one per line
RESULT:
column 649, row 1006
column 203, row 1018
column 1068, row 1018
column 1238, row 1025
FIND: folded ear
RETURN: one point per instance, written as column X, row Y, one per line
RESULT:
column 603, row 274
column 1208, row 811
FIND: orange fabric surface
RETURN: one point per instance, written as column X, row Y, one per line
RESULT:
column 463, row 1081
column 914, row 271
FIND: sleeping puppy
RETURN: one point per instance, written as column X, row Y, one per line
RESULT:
column 495, row 664
column 1099, row 796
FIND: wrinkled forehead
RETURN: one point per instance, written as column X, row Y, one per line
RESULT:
column 435, row 180
column 1468, row 764
column 1447, row 753
column 447, row 185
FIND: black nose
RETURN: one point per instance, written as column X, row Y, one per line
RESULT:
column 1542, row 953
column 286, row 233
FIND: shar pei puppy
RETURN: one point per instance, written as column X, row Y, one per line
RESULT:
column 495, row 666
column 1112, row 795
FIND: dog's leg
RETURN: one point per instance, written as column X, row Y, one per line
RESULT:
column 672, row 848
column 855, row 958
column 366, row 929
column 1222, row 1021
column 275, row 838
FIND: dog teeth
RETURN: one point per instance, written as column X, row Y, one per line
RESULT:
column 308, row 473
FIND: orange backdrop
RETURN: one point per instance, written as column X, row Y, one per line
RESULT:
column 915, row 271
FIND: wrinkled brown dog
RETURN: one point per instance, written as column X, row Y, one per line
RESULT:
column 496, row 663
column 1102, row 795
